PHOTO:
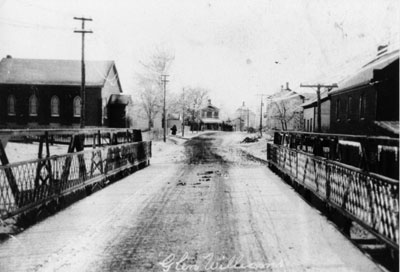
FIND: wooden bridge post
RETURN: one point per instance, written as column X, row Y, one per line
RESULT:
column 40, row 189
column 9, row 174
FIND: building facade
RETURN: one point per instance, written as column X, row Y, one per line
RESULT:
column 209, row 117
column 368, row 101
column 245, row 119
column 47, row 93
column 284, row 110
column 310, row 111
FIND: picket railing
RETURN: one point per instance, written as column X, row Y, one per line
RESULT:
column 28, row 184
column 369, row 199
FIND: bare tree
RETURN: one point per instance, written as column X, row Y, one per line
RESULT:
column 285, row 111
column 195, row 99
column 149, row 80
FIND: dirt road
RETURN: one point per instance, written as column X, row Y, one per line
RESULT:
column 210, row 208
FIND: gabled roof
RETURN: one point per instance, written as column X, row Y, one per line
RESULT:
column 210, row 107
column 53, row 72
column 366, row 73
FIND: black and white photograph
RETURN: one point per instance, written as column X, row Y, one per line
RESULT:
column 202, row 135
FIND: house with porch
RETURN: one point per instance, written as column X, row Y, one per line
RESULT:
column 209, row 117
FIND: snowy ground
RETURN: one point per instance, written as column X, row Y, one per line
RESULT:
column 202, row 205
column 17, row 152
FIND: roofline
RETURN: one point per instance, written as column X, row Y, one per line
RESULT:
column 366, row 82
column 350, row 88
column 53, row 84
column 113, row 66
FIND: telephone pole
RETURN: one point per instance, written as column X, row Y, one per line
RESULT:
column 261, row 106
column 318, row 86
column 183, row 112
column 83, row 31
column 164, row 82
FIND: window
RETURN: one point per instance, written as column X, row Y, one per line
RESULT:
column 362, row 106
column 338, row 109
column 345, row 109
column 55, row 106
column 209, row 114
column 11, row 105
column 77, row 106
column 215, row 114
column 33, row 105
column 349, row 104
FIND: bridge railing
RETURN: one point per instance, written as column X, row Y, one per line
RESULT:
column 369, row 199
column 28, row 184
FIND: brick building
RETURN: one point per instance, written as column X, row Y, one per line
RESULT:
column 37, row 93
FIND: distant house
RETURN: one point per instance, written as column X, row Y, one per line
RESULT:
column 244, row 118
column 209, row 117
column 368, row 101
column 284, row 111
column 38, row 93
column 174, row 119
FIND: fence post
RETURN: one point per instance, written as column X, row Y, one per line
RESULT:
column 9, row 174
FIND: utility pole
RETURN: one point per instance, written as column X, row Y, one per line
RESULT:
column 261, row 106
column 183, row 112
column 164, row 82
column 83, row 31
column 318, row 86
column 248, row 113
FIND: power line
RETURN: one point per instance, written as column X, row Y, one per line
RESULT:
column 46, row 9
column 23, row 24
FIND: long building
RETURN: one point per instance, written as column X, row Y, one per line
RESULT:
column 46, row 93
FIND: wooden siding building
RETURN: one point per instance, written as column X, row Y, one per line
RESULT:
column 37, row 93
column 368, row 101
column 209, row 118
column 310, row 114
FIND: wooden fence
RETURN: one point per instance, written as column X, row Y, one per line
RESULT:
column 369, row 199
column 29, row 184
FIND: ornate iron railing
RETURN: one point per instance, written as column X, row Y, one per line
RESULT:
column 28, row 184
column 369, row 199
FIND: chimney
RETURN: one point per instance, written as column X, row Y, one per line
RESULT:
column 243, row 104
column 382, row 49
column 9, row 57
column 287, row 86
column 209, row 102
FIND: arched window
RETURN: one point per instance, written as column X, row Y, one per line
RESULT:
column 33, row 105
column 55, row 106
column 77, row 106
column 11, row 105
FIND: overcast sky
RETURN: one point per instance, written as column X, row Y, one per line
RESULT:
column 236, row 49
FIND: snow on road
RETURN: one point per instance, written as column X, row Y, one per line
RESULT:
column 202, row 205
